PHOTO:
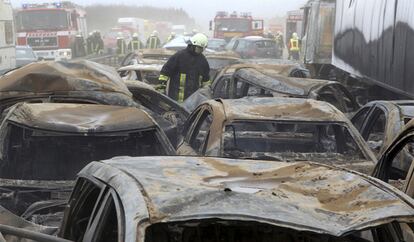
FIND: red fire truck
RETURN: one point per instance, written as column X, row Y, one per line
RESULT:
column 50, row 28
column 227, row 26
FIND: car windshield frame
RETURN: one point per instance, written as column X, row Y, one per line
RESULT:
column 284, row 155
column 36, row 132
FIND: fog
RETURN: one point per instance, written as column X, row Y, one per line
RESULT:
column 203, row 11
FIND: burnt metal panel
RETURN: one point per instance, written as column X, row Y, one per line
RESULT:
column 303, row 196
column 373, row 40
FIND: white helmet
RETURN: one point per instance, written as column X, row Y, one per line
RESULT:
column 155, row 33
column 199, row 40
column 135, row 35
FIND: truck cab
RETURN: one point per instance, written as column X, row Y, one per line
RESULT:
column 7, row 37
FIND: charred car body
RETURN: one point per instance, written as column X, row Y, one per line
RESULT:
column 45, row 145
column 149, row 71
column 210, row 199
column 64, row 82
column 168, row 113
column 379, row 122
column 279, row 129
column 73, row 82
column 396, row 162
column 147, row 56
column 272, row 81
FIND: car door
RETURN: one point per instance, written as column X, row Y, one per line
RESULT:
column 197, row 132
column 222, row 87
column 390, row 169
column 93, row 213
column 394, row 166
column 359, row 119
column 374, row 129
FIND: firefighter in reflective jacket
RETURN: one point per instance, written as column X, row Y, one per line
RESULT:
column 294, row 47
column 90, row 44
column 153, row 42
column 186, row 71
column 120, row 45
column 135, row 43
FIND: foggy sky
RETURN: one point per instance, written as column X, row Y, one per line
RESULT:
column 204, row 10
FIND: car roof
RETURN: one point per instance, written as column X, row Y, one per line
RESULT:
column 300, row 195
column 406, row 107
column 139, row 85
column 142, row 67
column 270, row 79
column 79, row 118
column 160, row 52
column 279, row 108
column 281, row 69
column 61, row 77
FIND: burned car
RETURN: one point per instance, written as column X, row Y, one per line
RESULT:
column 71, row 82
column 219, row 60
column 147, row 56
column 396, row 162
column 148, row 73
column 242, row 80
column 168, row 113
column 279, row 129
column 183, row 199
column 379, row 122
column 64, row 82
column 44, row 145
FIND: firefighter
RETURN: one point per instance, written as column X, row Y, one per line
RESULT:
column 294, row 47
column 171, row 37
column 135, row 43
column 79, row 46
column 280, row 43
column 153, row 42
column 186, row 71
column 90, row 43
column 120, row 45
column 98, row 43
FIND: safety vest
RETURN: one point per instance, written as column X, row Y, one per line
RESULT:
column 153, row 42
column 121, row 47
column 294, row 45
column 135, row 45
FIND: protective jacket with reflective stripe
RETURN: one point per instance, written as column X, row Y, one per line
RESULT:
column 187, row 72
column 153, row 42
column 134, row 44
column 294, row 44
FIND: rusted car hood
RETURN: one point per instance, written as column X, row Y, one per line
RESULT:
column 80, row 118
column 303, row 196
column 61, row 77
